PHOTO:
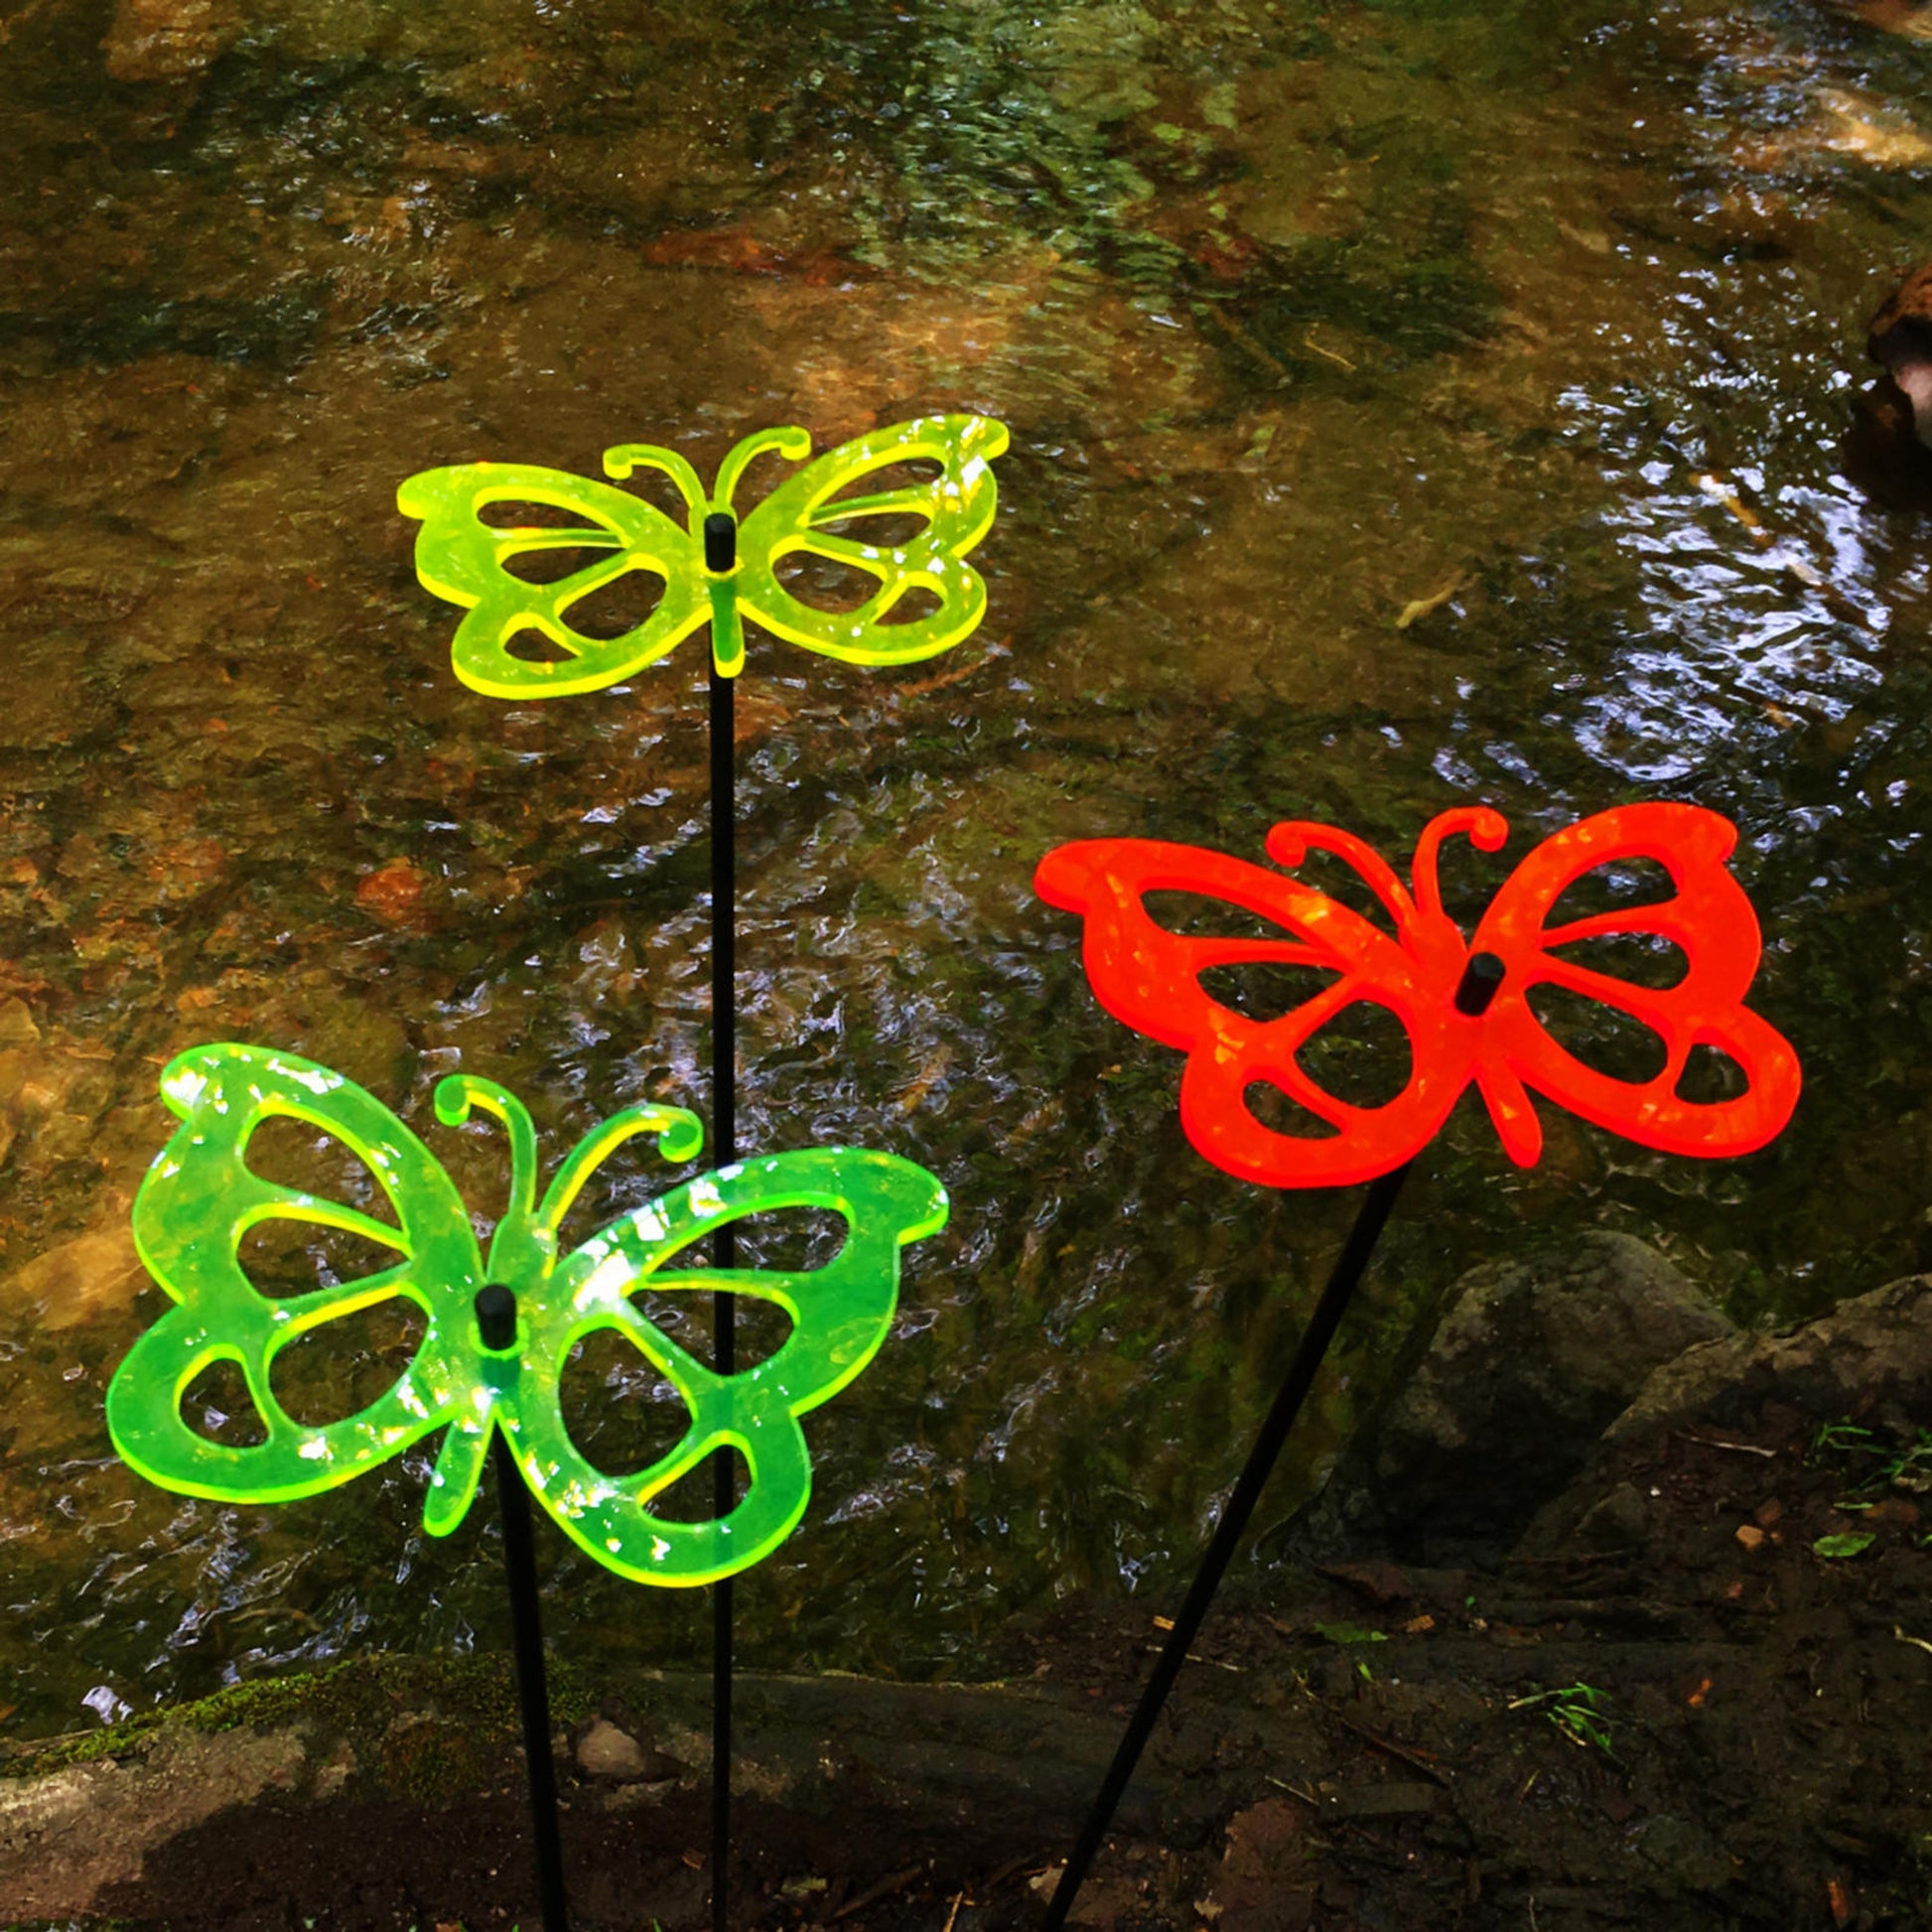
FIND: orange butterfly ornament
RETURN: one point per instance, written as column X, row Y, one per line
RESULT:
column 1150, row 978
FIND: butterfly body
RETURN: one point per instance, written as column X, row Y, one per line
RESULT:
column 469, row 561
column 1150, row 978
column 201, row 1199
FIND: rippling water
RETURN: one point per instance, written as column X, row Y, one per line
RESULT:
column 1541, row 317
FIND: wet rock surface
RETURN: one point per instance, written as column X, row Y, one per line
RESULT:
column 1865, row 1370
column 1530, row 1361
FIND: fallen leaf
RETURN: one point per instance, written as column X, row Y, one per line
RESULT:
column 909, row 1098
column 1348, row 1633
column 1848, row 1543
column 1420, row 606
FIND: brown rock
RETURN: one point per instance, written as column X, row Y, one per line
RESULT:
column 1900, row 337
column 66, row 1835
column 1870, row 1358
column 1374, row 1582
column 1529, row 1363
column 392, row 892
column 167, row 40
column 604, row 1751
column 1256, row 1888
column 98, row 1269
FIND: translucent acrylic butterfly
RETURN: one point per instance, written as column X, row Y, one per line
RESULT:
column 474, row 562
column 1150, row 978
column 201, row 1198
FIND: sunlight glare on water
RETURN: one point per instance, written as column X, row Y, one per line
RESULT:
column 1413, row 402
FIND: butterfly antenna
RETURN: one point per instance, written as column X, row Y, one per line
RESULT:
column 1290, row 843
column 679, row 1133
column 618, row 463
column 519, row 1231
column 791, row 443
column 1486, row 831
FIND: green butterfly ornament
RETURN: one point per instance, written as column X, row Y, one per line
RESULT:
column 471, row 561
column 201, row 1199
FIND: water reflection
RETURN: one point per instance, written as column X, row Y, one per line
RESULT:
column 1303, row 318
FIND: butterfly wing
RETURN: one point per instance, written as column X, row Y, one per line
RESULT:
column 467, row 561
column 805, row 514
column 840, row 1312
column 1708, row 916
column 1149, row 978
column 200, row 1200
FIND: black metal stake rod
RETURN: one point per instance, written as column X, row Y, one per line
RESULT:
column 720, row 554
column 1481, row 979
column 497, row 1322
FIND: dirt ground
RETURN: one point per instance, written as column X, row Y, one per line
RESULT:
column 1679, row 1714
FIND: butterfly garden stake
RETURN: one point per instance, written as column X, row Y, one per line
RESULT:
column 497, row 1328
column 1464, row 1007
column 715, row 568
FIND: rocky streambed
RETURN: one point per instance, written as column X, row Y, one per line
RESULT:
column 1615, row 1616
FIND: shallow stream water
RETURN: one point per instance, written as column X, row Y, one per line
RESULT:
column 1411, row 404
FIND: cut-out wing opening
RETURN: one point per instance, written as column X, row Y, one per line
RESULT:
column 532, row 647
column 825, row 584
column 1638, row 958
column 513, row 513
column 1279, row 1113
column 1613, row 885
column 1201, row 915
column 623, row 1413
column 1266, row 989
column 348, row 1365
column 692, row 1500
column 286, row 1256
column 1710, row 1077
column 1363, row 1056
column 289, row 1153
column 549, row 563
column 621, row 608
column 215, row 1404
column 1609, row 1040
column 915, row 607
column 884, row 528
column 903, row 473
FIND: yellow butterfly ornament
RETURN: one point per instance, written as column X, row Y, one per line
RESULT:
column 469, row 561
